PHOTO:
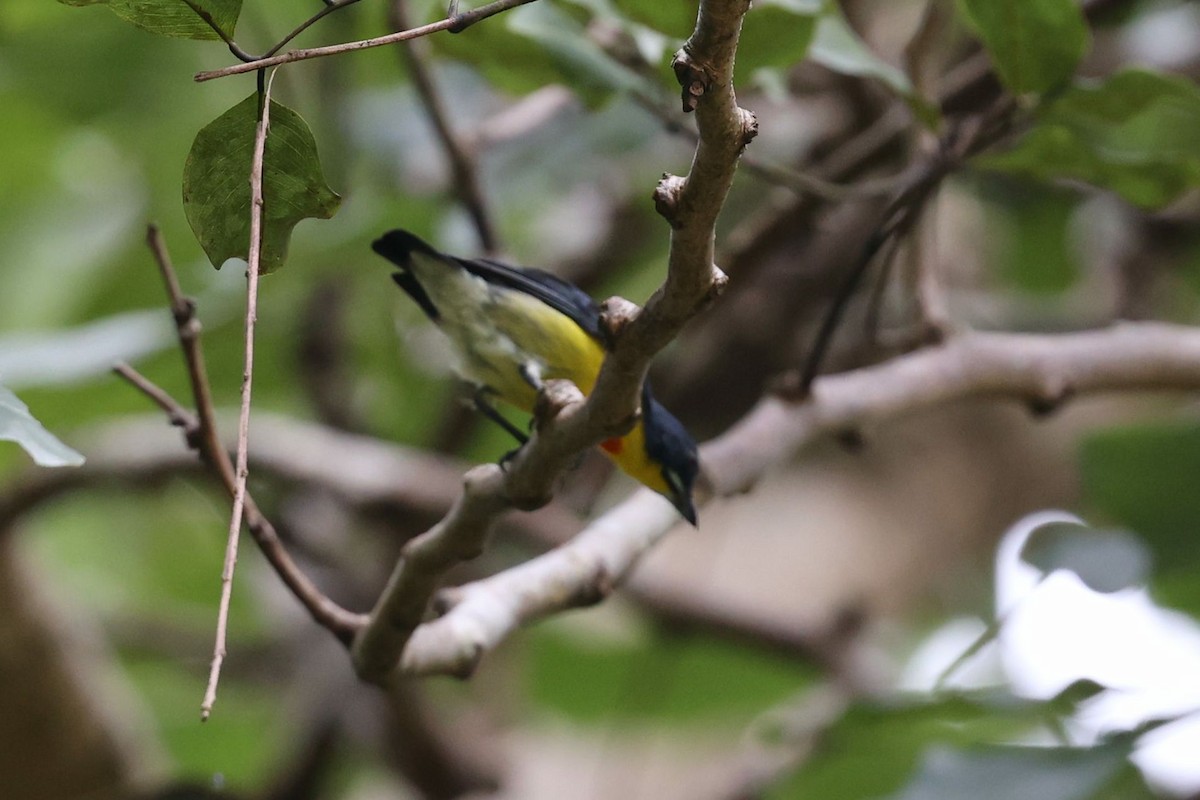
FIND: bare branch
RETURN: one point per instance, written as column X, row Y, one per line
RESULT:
column 1039, row 370
column 566, row 423
column 462, row 163
column 135, row 464
column 241, row 470
column 454, row 24
column 460, row 536
column 1042, row 371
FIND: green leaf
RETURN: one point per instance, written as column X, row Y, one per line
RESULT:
column 1144, row 477
column 702, row 679
column 585, row 66
column 183, row 19
column 837, row 47
column 1016, row 773
column 876, row 745
column 1106, row 560
column 1030, row 224
column 216, row 183
column 776, row 34
column 18, row 425
column 675, row 18
column 1035, row 44
column 1138, row 134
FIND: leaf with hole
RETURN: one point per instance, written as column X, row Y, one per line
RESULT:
column 182, row 19
column 216, row 183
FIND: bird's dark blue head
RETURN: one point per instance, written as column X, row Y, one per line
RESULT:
column 669, row 444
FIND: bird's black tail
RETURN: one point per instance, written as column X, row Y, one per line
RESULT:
column 398, row 247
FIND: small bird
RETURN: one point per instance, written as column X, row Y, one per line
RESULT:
column 514, row 328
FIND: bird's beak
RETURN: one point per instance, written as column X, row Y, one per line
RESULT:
column 683, row 504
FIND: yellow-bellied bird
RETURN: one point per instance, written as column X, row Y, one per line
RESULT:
column 514, row 328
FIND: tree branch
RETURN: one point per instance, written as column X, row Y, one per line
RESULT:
column 202, row 435
column 241, row 470
column 454, row 23
column 1039, row 370
column 462, row 164
column 566, row 423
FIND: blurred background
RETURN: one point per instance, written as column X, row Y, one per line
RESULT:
column 801, row 643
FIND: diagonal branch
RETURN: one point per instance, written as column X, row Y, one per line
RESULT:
column 454, row 23
column 324, row 611
column 202, row 435
column 462, row 162
column 566, row 423
column 1039, row 370
column 241, row 470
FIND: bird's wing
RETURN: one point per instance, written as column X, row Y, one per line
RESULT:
column 564, row 297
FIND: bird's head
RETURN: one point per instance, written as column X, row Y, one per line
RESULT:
column 671, row 447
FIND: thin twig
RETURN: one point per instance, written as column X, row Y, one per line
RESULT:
column 177, row 414
column 324, row 611
column 203, row 14
column 462, row 163
column 329, row 7
column 203, row 436
column 902, row 213
column 454, row 24
column 241, row 471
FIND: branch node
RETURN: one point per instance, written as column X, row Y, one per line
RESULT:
column 467, row 665
column 596, row 590
column 615, row 315
column 749, row 126
column 445, row 600
column 1052, row 396
column 666, row 198
column 789, row 387
column 720, row 282
column 553, row 398
column 851, row 438
column 695, row 79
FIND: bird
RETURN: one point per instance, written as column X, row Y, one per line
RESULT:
column 513, row 328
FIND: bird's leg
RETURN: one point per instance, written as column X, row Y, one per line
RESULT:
column 531, row 374
column 484, row 406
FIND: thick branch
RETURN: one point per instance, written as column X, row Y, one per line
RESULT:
column 1041, row 371
column 691, row 205
column 566, row 423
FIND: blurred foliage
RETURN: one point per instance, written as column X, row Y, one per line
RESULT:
column 100, row 116
column 921, row 747
column 1140, row 476
column 1137, row 133
column 1035, row 44
column 659, row 678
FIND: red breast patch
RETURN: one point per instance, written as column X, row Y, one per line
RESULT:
column 614, row 446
